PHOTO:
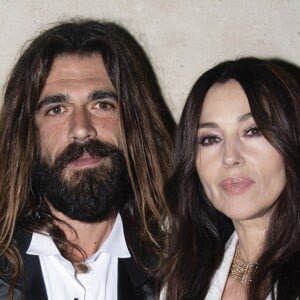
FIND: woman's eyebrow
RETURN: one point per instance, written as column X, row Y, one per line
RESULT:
column 208, row 125
column 241, row 118
column 244, row 117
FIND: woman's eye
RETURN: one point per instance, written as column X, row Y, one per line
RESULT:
column 209, row 140
column 56, row 110
column 253, row 131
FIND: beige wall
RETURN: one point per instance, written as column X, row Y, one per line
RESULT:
column 182, row 37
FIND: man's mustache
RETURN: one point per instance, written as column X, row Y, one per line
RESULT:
column 76, row 150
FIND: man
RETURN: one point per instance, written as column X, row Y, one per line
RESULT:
column 84, row 156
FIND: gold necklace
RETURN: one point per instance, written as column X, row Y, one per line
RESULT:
column 241, row 270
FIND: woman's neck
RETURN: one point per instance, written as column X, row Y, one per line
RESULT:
column 251, row 234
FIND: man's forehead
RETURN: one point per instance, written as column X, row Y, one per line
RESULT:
column 74, row 72
column 77, row 64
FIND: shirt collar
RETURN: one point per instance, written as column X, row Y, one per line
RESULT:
column 114, row 245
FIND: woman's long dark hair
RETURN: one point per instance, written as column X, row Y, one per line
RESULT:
column 198, row 232
column 146, row 129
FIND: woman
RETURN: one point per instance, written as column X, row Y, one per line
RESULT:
column 237, row 161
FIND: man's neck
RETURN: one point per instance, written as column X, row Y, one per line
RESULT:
column 88, row 236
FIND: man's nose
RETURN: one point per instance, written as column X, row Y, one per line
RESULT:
column 81, row 127
column 233, row 154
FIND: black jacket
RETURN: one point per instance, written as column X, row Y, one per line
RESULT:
column 133, row 284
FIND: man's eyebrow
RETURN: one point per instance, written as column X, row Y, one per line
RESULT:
column 52, row 100
column 241, row 118
column 99, row 94
column 102, row 94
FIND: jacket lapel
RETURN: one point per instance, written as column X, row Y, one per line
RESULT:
column 32, row 279
column 133, row 284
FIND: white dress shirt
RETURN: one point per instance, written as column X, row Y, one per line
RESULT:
column 99, row 283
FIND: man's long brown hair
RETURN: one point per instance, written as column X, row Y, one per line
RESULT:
column 146, row 129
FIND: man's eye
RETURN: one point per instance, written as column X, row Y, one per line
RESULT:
column 253, row 131
column 209, row 140
column 56, row 110
column 103, row 105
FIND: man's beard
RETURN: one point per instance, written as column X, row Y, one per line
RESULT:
column 91, row 194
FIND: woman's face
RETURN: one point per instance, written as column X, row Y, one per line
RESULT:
column 242, row 174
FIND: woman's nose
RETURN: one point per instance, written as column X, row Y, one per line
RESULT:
column 232, row 154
